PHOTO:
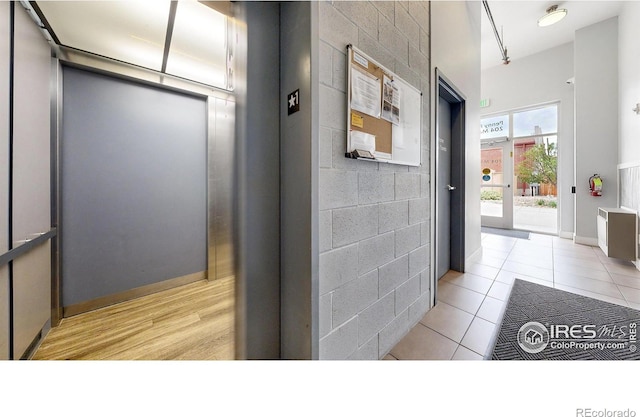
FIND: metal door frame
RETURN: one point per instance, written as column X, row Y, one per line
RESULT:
column 449, row 92
column 506, row 221
column 512, row 139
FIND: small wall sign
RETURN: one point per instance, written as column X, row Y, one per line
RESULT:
column 293, row 102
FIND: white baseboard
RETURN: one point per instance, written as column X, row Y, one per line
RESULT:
column 474, row 257
column 590, row 241
column 566, row 235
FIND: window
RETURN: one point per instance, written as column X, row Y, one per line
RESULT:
column 494, row 127
column 534, row 122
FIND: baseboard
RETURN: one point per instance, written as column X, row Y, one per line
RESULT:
column 589, row 241
column 566, row 235
column 37, row 341
column 474, row 257
column 108, row 300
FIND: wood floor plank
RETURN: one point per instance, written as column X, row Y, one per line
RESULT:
column 170, row 345
column 191, row 322
column 77, row 346
column 148, row 343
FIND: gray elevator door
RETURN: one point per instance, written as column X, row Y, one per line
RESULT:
column 443, row 194
column 133, row 185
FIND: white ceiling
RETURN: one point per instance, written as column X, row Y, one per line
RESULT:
column 520, row 33
column 135, row 32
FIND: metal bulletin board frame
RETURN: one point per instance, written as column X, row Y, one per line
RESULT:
column 384, row 113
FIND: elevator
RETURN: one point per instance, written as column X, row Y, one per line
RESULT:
column 116, row 179
column 144, row 187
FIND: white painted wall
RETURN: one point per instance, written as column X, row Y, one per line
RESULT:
column 539, row 79
column 596, row 122
column 629, row 82
column 455, row 51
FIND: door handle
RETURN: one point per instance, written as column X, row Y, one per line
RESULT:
column 450, row 187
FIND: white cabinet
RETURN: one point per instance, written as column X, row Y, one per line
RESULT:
column 617, row 233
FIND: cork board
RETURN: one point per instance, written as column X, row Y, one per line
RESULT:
column 370, row 119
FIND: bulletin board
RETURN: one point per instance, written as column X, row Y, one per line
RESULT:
column 383, row 113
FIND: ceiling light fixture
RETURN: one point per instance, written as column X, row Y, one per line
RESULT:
column 554, row 15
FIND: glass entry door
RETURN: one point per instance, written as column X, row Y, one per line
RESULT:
column 496, row 193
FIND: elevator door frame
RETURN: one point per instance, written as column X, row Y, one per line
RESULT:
column 216, row 177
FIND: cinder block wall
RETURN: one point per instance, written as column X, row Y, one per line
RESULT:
column 374, row 217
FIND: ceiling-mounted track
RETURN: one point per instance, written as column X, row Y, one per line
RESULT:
column 503, row 49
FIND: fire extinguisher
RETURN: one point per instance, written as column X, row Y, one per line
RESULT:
column 595, row 185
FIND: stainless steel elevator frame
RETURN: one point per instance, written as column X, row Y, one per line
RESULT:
column 220, row 157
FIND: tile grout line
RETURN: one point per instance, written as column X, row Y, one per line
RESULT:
column 604, row 264
column 465, row 332
column 554, row 283
column 624, row 297
column 470, row 289
column 504, row 302
column 479, row 307
column 443, row 335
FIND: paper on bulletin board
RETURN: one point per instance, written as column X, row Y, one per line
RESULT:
column 390, row 101
column 360, row 60
column 357, row 120
column 365, row 93
column 363, row 141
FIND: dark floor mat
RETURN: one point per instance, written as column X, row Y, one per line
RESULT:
column 520, row 234
column 541, row 322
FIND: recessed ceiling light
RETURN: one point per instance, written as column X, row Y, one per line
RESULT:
column 554, row 15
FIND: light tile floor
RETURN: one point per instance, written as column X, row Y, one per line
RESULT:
column 463, row 322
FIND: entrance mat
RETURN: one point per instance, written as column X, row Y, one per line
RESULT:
column 540, row 322
column 520, row 234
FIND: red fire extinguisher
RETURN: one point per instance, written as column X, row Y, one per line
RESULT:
column 595, row 185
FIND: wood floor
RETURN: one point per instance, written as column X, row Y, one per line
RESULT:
column 192, row 322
